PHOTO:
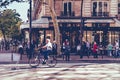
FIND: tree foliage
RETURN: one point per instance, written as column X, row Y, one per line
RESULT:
column 8, row 22
column 4, row 3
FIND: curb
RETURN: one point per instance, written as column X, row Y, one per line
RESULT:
column 71, row 61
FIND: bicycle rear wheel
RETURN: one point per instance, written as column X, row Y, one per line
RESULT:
column 34, row 61
column 52, row 61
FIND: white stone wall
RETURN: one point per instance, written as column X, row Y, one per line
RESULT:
column 87, row 8
column 113, row 8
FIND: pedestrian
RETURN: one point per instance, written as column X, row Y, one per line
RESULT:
column 27, row 49
column 116, row 48
column 95, row 50
column 67, row 50
column 78, row 48
column 20, row 50
column 63, row 50
column 83, row 49
column 109, row 49
column 31, row 50
column 88, row 48
column 54, row 48
column 2, row 45
column 101, row 49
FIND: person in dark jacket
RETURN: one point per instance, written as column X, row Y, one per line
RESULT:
column 20, row 50
column 67, row 50
column 54, row 48
column 83, row 49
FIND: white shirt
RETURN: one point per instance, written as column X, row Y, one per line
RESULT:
column 117, row 45
column 49, row 46
column 20, row 46
column 87, row 44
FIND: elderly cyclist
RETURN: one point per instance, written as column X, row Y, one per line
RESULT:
column 48, row 48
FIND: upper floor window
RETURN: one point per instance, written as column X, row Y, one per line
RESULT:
column 100, row 8
column 67, row 9
column 118, row 8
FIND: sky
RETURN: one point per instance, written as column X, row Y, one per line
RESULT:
column 21, row 8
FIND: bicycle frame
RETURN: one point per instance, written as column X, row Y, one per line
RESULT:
column 38, row 58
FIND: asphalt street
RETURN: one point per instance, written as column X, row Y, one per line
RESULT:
column 62, row 71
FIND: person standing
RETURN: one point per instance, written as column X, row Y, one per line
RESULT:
column 95, row 49
column 67, row 51
column 54, row 48
column 116, row 48
column 83, row 49
column 20, row 50
column 78, row 48
column 109, row 49
column 88, row 48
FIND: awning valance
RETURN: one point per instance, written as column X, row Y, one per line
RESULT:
column 67, row 20
column 87, row 21
column 100, row 21
column 39, row 23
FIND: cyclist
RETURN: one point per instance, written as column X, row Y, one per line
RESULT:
column 48, row 49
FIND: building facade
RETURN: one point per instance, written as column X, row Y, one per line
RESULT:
column 101, row 20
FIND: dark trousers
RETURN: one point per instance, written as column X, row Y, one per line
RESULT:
column 95, row 54
column 45, row 53
column 67, row 55
column 82, row 53
column 87, row 51
column 116, row 54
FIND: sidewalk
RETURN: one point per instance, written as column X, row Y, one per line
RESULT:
column 14, row 57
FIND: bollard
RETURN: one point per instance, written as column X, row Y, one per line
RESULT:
column 15, row 58
column 12, row 57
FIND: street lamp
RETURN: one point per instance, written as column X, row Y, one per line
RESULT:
column 30, row 23
column 82, row 22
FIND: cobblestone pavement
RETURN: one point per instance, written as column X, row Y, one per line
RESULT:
column 62, row 71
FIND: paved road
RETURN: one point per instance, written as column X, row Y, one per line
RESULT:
column 63, row 71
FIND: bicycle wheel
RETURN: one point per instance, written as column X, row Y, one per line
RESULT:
column 52, row 61
column 34, row 61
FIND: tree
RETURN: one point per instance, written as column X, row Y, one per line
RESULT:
column 56, row 27
column 55, row 24
column 8, row 20
column 15, row 32
column 53, row 15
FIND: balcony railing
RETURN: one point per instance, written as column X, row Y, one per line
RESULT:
column 67, row 14
column 100, row 14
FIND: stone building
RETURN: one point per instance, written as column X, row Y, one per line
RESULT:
column 101, row 21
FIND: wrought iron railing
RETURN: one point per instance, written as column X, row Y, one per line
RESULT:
column 100, row 14
column 67, row 13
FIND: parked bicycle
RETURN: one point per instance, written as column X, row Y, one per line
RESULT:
column 37, row 59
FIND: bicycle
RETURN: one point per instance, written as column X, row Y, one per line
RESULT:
column 37, row 59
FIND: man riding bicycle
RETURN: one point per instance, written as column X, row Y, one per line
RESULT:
column 45, row 59
column 48, row 49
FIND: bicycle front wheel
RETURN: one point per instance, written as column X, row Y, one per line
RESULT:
column 52, row 61
column 34, row 61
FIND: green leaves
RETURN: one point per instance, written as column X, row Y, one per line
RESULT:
column 8, row 22
column 4, row 3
